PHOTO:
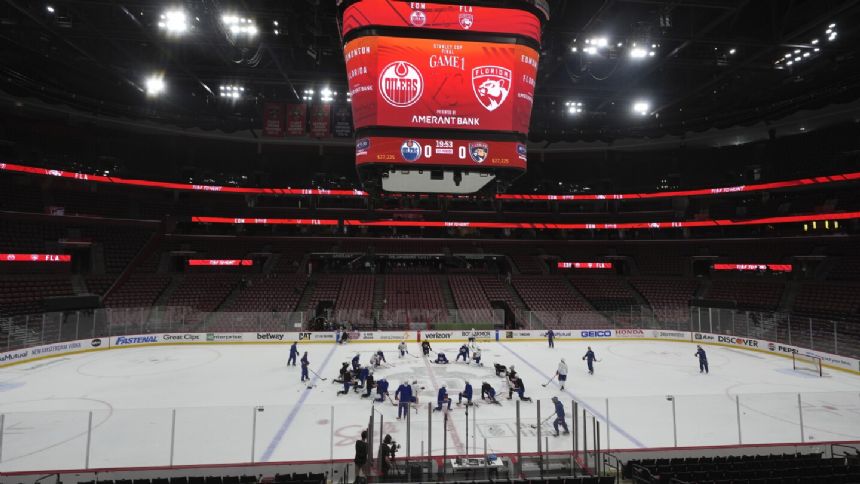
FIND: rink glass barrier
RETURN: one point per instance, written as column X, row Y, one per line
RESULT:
column 120, row 438
column 817, row 334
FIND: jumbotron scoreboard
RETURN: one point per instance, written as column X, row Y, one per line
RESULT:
column 442, row 93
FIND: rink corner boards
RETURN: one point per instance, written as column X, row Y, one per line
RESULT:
column 27, row 355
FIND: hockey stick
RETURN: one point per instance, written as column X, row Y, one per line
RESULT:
column 534, row 426
column 317, row 374
column 548, row 381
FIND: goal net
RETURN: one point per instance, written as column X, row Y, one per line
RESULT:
column 807, row 363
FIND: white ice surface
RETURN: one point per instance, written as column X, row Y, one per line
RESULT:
column 214, row 388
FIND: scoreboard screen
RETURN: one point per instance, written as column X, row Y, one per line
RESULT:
column 433, row 84
column 428, row 15
column 448, row 152
column 442, row 92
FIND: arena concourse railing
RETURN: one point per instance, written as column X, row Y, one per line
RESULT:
column 815, row 333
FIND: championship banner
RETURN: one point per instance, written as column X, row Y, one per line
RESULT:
column 296, row 119
column 427, row 15
column 342, row 121
column 447, row 152
column 320, row 120
column 273, row 120
column 426, row 83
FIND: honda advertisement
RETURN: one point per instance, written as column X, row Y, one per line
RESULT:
column 447, row 84
column 448, row 152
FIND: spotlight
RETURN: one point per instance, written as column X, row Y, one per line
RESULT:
column 174, row 22
column 240, row 26
column 231, row 91
column 641, row 107
column 732, row 51
column 638, row 53
column 327, row 95
column 154, row 85
column 50, row 9
column 573, row 107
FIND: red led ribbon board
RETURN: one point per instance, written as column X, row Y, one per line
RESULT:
column 433, row 84
column 585, row 265
column 752, row 267
column 50, row 258
column 448, row 152
column 220, row 262
column 424, row 15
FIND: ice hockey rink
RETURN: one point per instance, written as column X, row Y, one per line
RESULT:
column 221, row 403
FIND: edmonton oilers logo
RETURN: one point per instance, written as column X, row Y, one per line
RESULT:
column 410, row 150
column 418, row 18
column 401, row 84
column 521, row 151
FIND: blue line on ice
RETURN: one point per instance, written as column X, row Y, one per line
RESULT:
column 276, row 440
column 588, row 407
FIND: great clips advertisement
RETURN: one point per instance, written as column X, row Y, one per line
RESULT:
column 447, row 152
column 425, row 83
column 426, row 15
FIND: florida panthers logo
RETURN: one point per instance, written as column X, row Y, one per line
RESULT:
column 478, row 152
column 466, row 20
column 401, row 84
column 410, row 150
column 491, row 85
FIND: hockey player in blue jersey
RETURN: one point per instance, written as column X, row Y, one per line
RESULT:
column 703, row 359
column 464, row 353
column 305, row 364
column 381, row 390
column 467, row 394
column 294, row 353
column 442, row 399
column 355, row 361
column 363, row 373
column 441, row 359
column 489, row 393
column 559, row 417
column 550, row 338
column 404, row 396
column 589, row 359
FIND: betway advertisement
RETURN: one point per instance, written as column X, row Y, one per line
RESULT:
column 426, row 83
column 427, row 15
column 448, row 152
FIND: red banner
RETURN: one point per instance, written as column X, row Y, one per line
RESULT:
column 425, row 83
column 448, row 152
column 585, row 265
column 296, row 119
column 274, row 120
column 320, row 120
column 426, row 15
column 220, row 262
column 752, row 267
column 60, row 258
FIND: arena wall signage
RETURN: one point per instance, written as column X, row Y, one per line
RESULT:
column 118, row 342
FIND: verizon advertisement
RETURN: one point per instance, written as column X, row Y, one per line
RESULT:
column 425, row 83
column 448, row 152
column 426, row 15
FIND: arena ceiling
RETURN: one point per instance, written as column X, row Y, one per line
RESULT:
column 696, row 64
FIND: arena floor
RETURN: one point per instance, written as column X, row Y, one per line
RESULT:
column 132, row 394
